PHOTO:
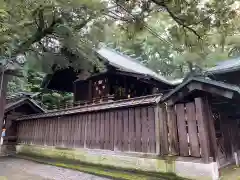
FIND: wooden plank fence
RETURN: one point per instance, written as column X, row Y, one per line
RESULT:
column 130, row 129
column 179, row 130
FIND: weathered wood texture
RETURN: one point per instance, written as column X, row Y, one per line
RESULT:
column 179, row 130
column 183, row 130
column 126, row 129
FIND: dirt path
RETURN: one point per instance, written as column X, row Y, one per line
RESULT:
column 19, row 169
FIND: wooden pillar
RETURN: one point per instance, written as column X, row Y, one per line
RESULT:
column 212, row 131
column 164, row 148
column 203, row 129
column 173, row 135
column 3, row 92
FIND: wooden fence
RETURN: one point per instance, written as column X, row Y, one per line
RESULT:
column 181, row 130
column 125, row 129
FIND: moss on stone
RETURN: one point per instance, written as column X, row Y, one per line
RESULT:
column 102, row 164
column 106, row 171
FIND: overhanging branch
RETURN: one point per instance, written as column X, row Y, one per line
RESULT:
column 175, row 18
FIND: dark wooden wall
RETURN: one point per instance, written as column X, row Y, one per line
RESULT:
column 179, row 130
column 118, row 85
column 130, row 129
column 184, row 130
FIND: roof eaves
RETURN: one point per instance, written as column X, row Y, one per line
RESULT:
column 222, row 70
column 31, row 101
column 151, row 99
column 212, row 82
column 156, row 77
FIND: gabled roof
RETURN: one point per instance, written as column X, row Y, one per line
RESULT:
column 21, row 95
column 128, row 64
column 201, row 84
column 225, row 66
column 19, row 102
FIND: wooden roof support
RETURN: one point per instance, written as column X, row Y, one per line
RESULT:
column 192, row 86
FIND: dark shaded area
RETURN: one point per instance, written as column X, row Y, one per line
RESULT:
column 60, row 80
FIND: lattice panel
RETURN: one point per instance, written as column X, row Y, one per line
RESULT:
column 100, row 87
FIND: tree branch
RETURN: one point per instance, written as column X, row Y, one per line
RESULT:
column 39, row 34
column 83, row 23
column 175, row 18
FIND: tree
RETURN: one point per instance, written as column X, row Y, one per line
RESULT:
column 49, row 99
column 186, row 34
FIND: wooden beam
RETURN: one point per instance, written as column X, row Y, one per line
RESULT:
column 178, row 96
column 203, row 129
column 210, row 89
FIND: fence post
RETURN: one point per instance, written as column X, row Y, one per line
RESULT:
column 173, row 136
column 157, row 129
column 212, row 132
column 203, row 130
column 163, row 130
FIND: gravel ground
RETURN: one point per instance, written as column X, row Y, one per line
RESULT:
column 19, row 169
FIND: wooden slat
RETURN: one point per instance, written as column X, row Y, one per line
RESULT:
column 81, row 122
column 120, row 130
column 78, row 140
column 83, row 128
column 151, row 130
column 173, row 134
column 182, row 131
column 36, row 131
column 202, row 127
column 125, row 130
column 212, row 131
column 138, row 130
column 46, row 122
column 75, row 130
column 41, row 132
column 57, row 133
column 192, row 130
column 98, row 123
column 93, row 143
column 89, row 130
column 102, row 122
column 71, row 132
column 163, row 131
column 107, row 130
column 144, row 129
column 112, row 130
column 50, row 132
column 132, row 133
column 63, row 130
column 116, row 128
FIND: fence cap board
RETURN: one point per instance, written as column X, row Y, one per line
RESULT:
column 151, row 99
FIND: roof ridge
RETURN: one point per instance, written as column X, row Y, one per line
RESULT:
column 149, row 71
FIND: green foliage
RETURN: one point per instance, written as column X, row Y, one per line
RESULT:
column 31, row 83
column 170, row 37
column 174, row 36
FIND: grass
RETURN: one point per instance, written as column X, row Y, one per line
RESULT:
column 230, row 173
column 104, row 171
